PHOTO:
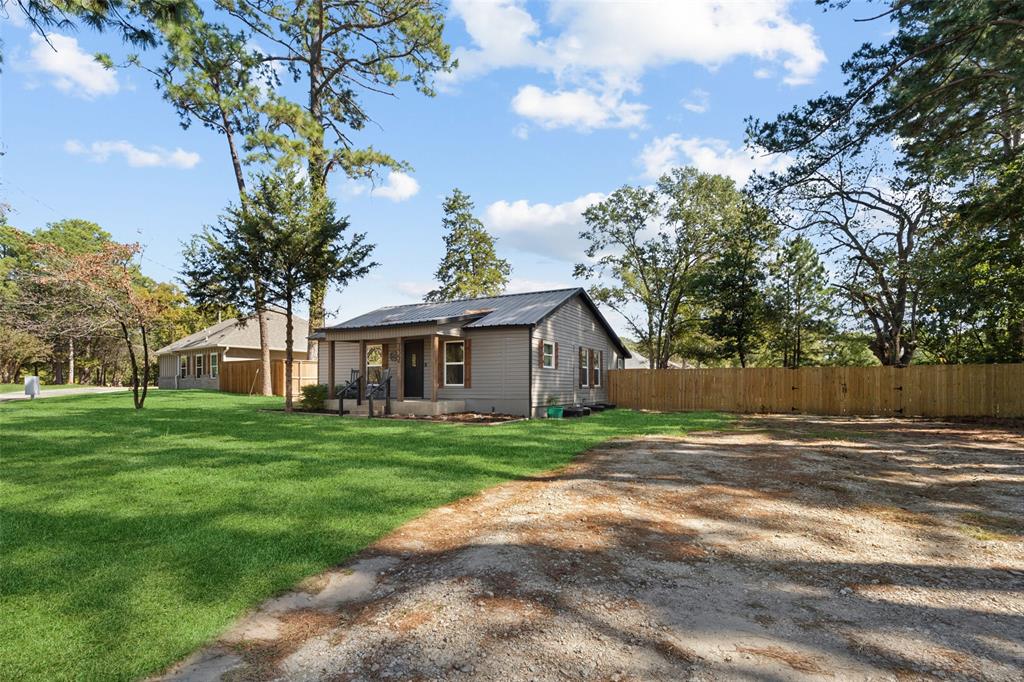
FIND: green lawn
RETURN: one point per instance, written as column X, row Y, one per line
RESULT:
column 18, row 388
column 129, row 539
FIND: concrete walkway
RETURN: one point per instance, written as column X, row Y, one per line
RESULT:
column 53, row 393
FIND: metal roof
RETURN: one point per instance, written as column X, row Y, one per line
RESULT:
column 508, row 310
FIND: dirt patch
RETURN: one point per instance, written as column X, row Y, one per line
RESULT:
column 789, row 548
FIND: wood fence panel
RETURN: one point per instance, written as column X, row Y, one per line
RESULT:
column 920, row 390
column 243, row 376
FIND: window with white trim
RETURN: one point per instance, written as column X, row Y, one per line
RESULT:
column 584, row 367
column 214, row 365
column 199, row 365
column 548, row 355
column 454, row 363
column 183, row 366
column 374, row 363
column 598, row 364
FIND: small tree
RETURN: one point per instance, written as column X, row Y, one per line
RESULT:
column 732, row 287
column 304, row 242
column 800, row 299
column 227, row 267
column 470, row 267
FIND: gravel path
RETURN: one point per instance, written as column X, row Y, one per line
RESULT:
column 791, row 548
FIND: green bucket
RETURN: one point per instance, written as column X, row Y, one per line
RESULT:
column 555, row 412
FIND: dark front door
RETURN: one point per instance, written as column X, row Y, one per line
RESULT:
column 412, row 369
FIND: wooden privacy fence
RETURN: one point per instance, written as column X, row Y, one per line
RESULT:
column 244, row 376
column 919, row 390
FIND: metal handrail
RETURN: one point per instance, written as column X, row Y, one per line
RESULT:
column 372, row 391
column 353, row 381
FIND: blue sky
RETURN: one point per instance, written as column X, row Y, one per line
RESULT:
column 555, row 104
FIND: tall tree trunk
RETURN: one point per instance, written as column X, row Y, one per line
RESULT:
column 58, row 371
column 288, row 355
column 71, row 360
column 317, row 164
column 134, row 364
column 145, row 370
column 266, row 385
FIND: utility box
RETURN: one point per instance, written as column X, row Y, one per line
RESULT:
column 31, row 386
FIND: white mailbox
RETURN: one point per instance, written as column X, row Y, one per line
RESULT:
column 31, row 386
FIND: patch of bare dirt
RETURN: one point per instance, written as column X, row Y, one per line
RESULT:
column 789, row 548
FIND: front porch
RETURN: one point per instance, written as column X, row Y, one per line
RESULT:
column 413, row 356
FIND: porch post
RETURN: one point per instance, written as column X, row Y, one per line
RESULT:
column 438, row 367
column 330, row 370
column 362, row 371
column 401, row 369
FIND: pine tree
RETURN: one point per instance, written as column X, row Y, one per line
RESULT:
column 470, row 267
column 801, row 301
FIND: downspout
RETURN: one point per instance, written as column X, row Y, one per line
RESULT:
column 529, row 373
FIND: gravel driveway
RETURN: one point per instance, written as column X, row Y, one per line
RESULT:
column 789, row 548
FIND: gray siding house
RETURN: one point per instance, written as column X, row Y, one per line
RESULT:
column 512, row 354
column 195, row 360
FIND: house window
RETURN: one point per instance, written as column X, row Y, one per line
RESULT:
column 548, row 356
column 214, row 365
column 374, row 363
column 598, row 364
column 199, row 365
column 183, row 365
column 584, row 367
column 454, row 363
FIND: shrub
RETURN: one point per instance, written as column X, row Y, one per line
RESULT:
column 313, row 396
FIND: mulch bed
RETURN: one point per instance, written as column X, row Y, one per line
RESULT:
column 456, row 417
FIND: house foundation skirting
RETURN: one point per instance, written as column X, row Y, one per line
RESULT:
column 418, row 408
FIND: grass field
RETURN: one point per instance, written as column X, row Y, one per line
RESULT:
column 18, row 388
column 130, row 538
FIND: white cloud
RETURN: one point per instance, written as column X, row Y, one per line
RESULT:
column 518, row 285
column 700, row 101
column 578, row 109
column 551, row 230
column 73, row 71
column 102, row 150
column 604, row 48
column 763, row 73
column 398, row 186
column 416, row 290
column 708, row 155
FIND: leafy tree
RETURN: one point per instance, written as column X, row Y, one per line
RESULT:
column 948, row 84
column 104, row 286
column 800, row 299
column 34, row 306
column 336, row 50
column 654, row 244
column 470, row 267
column 733, row 286
column 17, row 349
column 304, row 242
column 873, row 220
column 946, row 88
